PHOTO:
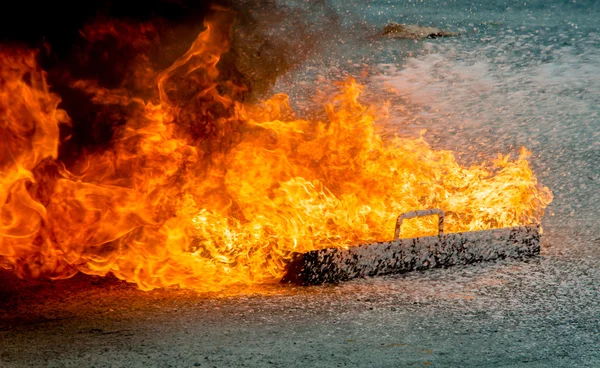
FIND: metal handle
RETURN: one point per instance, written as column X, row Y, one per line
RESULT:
column 413, row 214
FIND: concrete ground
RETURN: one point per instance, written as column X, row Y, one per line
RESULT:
column 542, row 313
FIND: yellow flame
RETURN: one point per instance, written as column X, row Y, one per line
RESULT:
column 200, row 191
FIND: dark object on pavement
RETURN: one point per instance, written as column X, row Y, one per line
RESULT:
column 414, row 32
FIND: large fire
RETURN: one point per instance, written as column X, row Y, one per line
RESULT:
column 200, row 190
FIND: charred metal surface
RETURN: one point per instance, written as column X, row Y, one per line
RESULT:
column 405, row 255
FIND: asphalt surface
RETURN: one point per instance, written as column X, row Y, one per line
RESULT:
column 540, row 313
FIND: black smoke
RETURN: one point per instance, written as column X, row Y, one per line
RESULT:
column 269, row 38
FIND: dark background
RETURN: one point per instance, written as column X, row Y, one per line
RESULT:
column 58, row 22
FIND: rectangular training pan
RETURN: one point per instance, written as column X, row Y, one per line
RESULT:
column 405, row 255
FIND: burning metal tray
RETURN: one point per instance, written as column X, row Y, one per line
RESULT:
column 404, row 255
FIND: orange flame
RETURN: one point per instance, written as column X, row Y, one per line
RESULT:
column 200, row 191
